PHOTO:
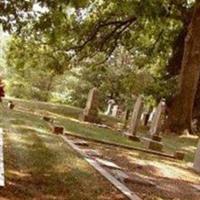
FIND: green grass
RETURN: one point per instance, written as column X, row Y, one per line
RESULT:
column 40, row 165
column 68, row 116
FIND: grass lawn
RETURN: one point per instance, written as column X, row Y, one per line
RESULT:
column 69, row 117
column 40, row 165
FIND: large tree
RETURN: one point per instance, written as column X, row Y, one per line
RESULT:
column 180, row 113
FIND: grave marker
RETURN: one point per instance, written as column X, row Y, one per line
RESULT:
column 157, row 122
column 135, row 119
column 90, row 113
column 58, row 129
column 111, row 102
column 115, row 110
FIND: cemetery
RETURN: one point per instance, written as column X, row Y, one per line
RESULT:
column 100, row 100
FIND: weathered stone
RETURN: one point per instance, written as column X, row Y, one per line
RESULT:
column 136, row 115
column 92, row 152
column 45, row 118
column 156, row 138
column 123, row 177
column 90, row 113
column 80, row 142
column 115, row 110
column 197, row 187
column 153, row 145
column 158, row 118
column 133, row 137
column 58, row 129
column 111, row 103
column 196, row 164
column 179, row 155
column 11, row 105
column 107, row 163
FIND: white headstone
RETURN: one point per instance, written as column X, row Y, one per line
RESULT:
column 115, row 110
column 157, row 119
column 111, row 102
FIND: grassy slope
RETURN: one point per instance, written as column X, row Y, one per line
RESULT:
column 39, row 165
column 68, row 116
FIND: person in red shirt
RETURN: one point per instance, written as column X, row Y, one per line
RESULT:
column 2, row 92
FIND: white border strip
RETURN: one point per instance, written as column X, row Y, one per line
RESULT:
column 121, row 187
column 2, row 178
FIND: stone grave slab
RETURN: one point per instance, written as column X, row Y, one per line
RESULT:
column 132, row 137
column 107, row 163
column 58, row 129
column 152, row 144
column 197, row 187
column 179, row 155
column 126, row 178
column 80, row 142
column 92, row 152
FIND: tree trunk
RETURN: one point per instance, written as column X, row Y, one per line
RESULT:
column 180, row 112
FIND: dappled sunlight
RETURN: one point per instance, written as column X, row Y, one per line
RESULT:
column 30, row 128
column 191, row 137
column 19, row 174
column 15, row 137
column 168, row 170
column 190, row 149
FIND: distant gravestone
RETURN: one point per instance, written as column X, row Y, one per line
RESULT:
column 146, row 117
column 11, row 105
column 111, row 102
column 90, row 113
column 135, row 118
column 115, row 110
column 58, row 129
column 196, row 164
column 157, row 122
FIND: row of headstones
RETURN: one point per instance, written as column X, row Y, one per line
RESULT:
column 90, row 114
column 154, row 142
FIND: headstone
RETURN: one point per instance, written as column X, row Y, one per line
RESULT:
column 45, row 118
column 179, row 155
column 11, row 105
column 146, row 117
column 111, row 102
column 90, row 113
column 58, row 129
column 135, row 119
column 152, row 115
column 196, row 164
column 115, row 110
column 157, row 122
